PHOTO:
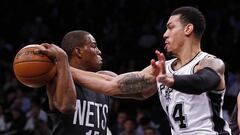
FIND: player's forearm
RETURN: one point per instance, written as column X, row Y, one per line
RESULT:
column 65, row 95
column 51, row 88
column 128, row 83
column 135, row 82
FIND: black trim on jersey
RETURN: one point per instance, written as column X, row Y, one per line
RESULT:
column 185, row 63
column 215, row 103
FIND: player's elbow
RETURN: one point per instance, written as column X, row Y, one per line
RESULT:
column 67, row 109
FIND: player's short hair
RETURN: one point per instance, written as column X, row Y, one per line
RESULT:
column 73, row 39
column 194, row 16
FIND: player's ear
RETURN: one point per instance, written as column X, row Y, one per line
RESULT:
column 78, row 52
column 188, row 29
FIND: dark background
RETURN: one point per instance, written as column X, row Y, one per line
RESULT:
column 127, row 33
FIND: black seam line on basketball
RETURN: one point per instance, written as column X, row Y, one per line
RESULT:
column 35, row 75
column 34, row 61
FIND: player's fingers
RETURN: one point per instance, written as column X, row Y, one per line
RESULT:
column 156, row 65
column 41, row 50
column 46, row 45
column 163, row 67
column 153, row 63
column 162, row 62
column 158, row 55
column 46, row 52
column 52, row 47
column 163, row 57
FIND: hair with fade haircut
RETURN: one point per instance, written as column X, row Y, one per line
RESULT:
column 192, row 15
column 72, row 39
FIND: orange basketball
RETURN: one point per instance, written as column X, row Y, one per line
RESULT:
column 32, row 68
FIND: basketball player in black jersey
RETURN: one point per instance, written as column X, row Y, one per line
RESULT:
column 76, row 110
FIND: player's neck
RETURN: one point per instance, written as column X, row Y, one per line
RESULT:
column 76, row 64
column 188, row 52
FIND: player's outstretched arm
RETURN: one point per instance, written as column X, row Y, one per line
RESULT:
column 61, row 90
column 136, row 85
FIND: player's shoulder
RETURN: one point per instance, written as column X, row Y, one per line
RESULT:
column 213, row 62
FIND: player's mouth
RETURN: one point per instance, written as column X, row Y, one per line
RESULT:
column 100, row 59
column 166, row 45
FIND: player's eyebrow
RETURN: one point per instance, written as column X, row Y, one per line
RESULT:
column 168, row 24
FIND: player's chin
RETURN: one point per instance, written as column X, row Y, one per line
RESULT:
column 169, row 52
column 168, row 49
column 100, row 63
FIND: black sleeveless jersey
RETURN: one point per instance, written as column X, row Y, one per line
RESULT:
column 90, row 116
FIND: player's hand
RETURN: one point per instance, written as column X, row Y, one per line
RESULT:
column 163, row 77
column 53, row 52
column 153, row 69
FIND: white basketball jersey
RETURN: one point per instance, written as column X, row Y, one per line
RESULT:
column 191, row 114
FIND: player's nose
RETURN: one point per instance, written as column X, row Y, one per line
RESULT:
column 98, row 51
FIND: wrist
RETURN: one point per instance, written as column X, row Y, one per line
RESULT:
column 170, row 80
column 62, row 57
column 166, row 79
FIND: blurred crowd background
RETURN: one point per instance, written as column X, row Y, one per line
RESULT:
column 127, row 32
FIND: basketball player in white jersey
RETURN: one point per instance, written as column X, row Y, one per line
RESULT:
column 191, row 86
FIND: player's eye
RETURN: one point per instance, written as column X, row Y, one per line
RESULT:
column 93, row 45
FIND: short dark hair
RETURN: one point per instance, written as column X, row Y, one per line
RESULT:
column 73, row 39
column 194, row 16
